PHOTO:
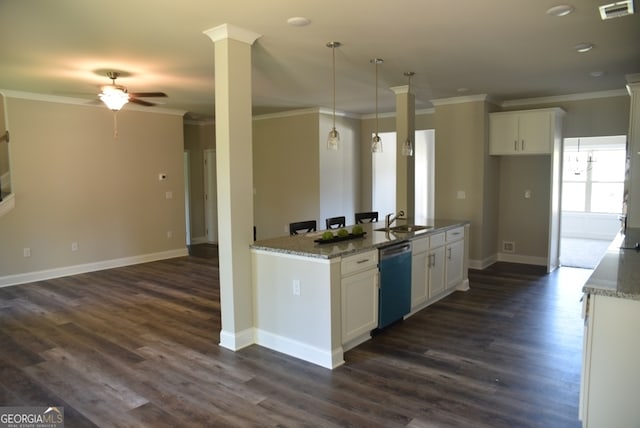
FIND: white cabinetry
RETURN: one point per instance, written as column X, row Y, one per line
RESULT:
column 359, row 296
column 526, row 132
column 610, row 376
column 419, row 267
column 436, row 265
column 454, row 256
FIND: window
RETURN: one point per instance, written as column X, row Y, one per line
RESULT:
column 593, row 174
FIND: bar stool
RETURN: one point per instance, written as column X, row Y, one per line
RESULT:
column 367, row 217
column 307, row 226
column 336, row 222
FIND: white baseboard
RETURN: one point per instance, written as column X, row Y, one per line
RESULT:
column 199, row 240
column 484, row 263
column 528, row 260
column 237, row 341
column 89, row 267
column 327, row 359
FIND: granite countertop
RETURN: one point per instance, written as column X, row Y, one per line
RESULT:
column 304, row 245
column 618, row 273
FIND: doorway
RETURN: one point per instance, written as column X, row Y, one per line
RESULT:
column 186, row 168
column 210, row 196
column 592, row 194
column 384, row 175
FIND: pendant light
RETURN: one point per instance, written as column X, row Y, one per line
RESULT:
column 376, row 141
column 407, row 146
column 333, row 140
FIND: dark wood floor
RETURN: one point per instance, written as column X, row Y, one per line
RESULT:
column 137, row 346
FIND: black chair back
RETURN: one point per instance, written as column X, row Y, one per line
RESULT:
column 336, row 222
column 367, row 217
column 306, row 226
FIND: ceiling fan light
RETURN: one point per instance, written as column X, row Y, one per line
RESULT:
column 114, row 97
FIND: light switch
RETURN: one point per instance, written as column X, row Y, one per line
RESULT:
column 168, row 195
column 527, row 194
column 461, row 194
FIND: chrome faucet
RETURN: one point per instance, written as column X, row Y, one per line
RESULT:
column 390, row 218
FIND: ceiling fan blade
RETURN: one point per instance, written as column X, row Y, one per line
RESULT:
column 141, row 102
column 147, row 94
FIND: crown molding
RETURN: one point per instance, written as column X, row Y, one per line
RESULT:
column 84, row 102
column 561, row 98
column 460, row 100
column 228, row 31
column 303, row 111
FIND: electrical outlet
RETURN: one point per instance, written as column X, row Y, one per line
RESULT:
column 296, row 287
column 74, row 246
column 168, row 194
column 26, row 252
column 169, row 234
column 508, row 246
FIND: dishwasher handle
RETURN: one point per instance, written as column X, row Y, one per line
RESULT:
column 395, row 250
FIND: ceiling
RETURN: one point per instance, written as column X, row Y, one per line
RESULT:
column 508, row 49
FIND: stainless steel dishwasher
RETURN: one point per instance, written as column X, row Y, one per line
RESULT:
column 395, row 283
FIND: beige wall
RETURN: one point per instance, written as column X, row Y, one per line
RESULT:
column 5, row 170
column 295, row 177
column 525, row 221
column 286, row 172
column 74, row 182
column 339, row 170
column 197, row 139
column 592, row 117
column 463, row 164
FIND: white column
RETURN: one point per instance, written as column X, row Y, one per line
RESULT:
column 235, row 180
column 405, row 165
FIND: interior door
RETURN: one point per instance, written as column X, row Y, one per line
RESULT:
column 210, row 196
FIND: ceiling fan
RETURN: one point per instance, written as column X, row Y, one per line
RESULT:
column 116, row 96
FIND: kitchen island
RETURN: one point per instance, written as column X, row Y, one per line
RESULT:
column 316, row 300
column 611, row 367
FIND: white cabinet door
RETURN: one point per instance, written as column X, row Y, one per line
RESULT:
column 534, row 131
column 419, row 262
column 503, row 134
column 436, row 259
column 419, row 281
column 359, row 304
column 522, row 132
column 454, row 263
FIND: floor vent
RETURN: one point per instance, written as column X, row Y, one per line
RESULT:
column 616, row 10
column 508, row 246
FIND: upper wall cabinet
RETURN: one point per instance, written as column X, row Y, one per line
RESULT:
column 526, row 132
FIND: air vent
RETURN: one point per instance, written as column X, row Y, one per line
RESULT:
column 508, row 246
column 616, row 10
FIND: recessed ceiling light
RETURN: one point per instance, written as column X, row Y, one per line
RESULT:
column 583, row 47
column 598, row 73
column 298, row 21
column 560, row 10
column 463, row 89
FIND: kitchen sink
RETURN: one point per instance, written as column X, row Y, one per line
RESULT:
column 405, row 228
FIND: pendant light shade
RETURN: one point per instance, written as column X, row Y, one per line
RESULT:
column 376, row 141
column 407, row 146
column 333, row 140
